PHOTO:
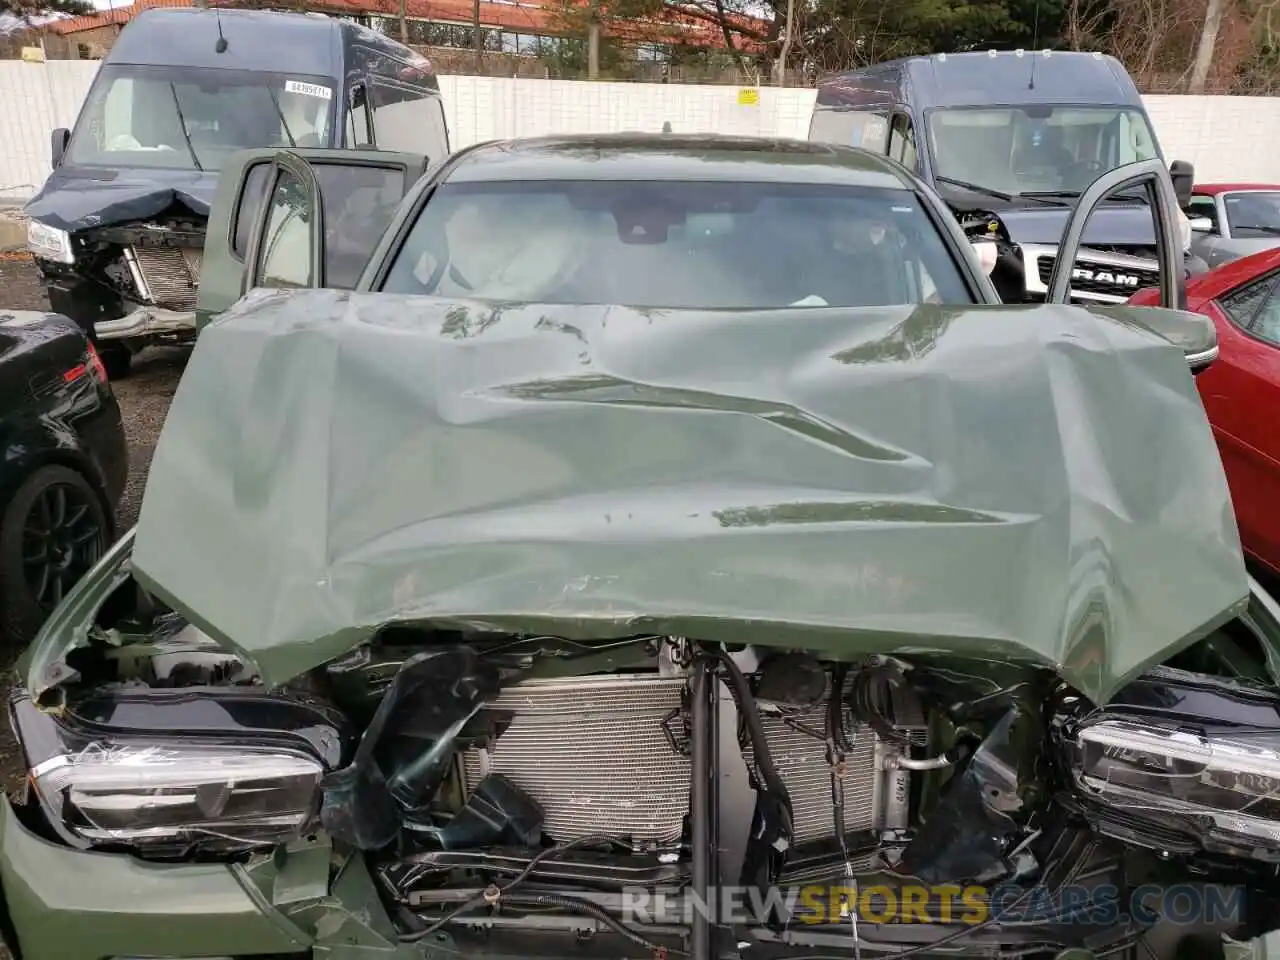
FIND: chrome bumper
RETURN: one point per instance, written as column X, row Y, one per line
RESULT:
column 145, row 322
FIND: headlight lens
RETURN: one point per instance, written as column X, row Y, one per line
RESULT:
column 164, row 796
column 49, row 243
column 217, row 797
column 1223, row 789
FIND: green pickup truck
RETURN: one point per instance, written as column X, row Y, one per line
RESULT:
column 655, row 546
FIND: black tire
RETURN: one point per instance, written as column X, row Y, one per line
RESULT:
column 53, row 530
column 116, row 359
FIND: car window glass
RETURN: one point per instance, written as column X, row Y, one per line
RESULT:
column 255, row 185
column 408, row 119
column 1205, row 207
column 1254, row 214
column 902, row 142
column 1243, row 305
column 285, row 256
column 358, row 118
column 359, row 201
column 601, row 242
column 850, row 128
column 1267, row 323
column 1134, row 141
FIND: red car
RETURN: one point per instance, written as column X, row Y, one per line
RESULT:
column 1241, row 390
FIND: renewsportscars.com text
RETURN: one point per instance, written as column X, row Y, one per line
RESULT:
column 1102, row 905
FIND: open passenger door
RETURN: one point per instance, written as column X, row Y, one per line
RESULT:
column 327, row 209
column 1196, row 334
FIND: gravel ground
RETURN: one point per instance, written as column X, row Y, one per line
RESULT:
column 144, row 398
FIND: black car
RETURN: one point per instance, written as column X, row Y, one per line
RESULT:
column 63, row 463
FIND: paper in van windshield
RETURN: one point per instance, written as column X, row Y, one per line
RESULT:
column 308, row 89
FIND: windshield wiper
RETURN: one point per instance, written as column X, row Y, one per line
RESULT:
column 966, row 185
column 991, row 192
column 1075, row 195
column 280, row 113
column 182, row 122
column 1261, row 228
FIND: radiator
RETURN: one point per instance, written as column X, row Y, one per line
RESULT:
column 875, row 798
column 801, row 762
column 593, row 752
column 166, row 276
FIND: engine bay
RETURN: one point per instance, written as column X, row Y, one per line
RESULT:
column 658, row 796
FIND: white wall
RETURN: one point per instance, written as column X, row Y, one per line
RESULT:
column 1227, row 138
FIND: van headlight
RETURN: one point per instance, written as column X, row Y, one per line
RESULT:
column 168, row 795
column 1219, row 790
column 49, row 243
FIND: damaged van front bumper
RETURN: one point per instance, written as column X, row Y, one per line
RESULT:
column 66, row 904
column 145, row 322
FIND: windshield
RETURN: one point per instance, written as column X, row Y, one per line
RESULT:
column 187, row 118
column 677, row 245
column 1036, row 149
column 1253, row 214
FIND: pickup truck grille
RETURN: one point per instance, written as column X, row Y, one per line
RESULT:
column 1100, row 275
column 166, row 276
column 1092, row 277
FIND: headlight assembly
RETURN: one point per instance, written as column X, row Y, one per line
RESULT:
column 49, row 243
column 177, row 796
column 163, row 776
column 1219, row 790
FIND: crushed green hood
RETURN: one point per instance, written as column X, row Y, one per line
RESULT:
column 1030, row 483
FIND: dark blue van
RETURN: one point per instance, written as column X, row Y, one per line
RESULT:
column 118, row 228
column 1010, row 140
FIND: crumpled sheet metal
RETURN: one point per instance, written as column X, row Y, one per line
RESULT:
column 82, row 198
column 1028, row 482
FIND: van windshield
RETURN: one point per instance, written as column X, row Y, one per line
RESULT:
column 1036, row 149
column 194, row 118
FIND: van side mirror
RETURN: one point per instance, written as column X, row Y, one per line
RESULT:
column 58, row 141
column 1201, row 225
column 1183, row 175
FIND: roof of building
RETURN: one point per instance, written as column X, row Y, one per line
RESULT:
column 513, row 15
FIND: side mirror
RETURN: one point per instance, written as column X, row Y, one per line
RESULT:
column 1183, row 175
column 1201, row 225
column 58, row 141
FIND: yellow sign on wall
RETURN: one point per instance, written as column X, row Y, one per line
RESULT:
column 33, row 54
column 748, row 97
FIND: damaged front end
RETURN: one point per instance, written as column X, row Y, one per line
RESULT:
column 133, row 282
column 533, row 631
column 442, row 791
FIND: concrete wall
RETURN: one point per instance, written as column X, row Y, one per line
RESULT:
column 1227, row 138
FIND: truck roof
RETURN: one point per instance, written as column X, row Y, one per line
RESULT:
column 989, row 78
column 256, row 40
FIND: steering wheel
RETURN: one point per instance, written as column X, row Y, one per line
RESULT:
column 1084, row 172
